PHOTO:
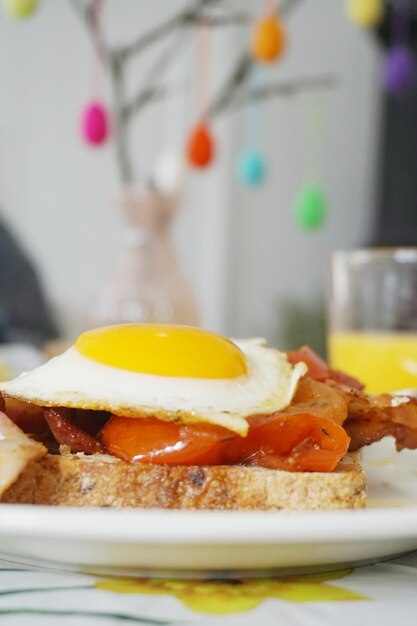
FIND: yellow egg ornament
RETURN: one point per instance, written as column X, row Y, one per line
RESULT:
column 20, row 9
column 366, row 13
column 268, row 40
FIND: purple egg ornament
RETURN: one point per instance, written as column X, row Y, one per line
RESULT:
column 399, row 69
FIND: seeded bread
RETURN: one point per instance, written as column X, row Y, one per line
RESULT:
column 102, row 481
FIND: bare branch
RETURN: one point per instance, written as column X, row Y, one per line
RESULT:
column 150, row 90
column 232, row 94
column 286, row 89
column 241, row 70
column 123, row 154
column 288, row 6
column 234, row 19
column 189, row 15
column 83, row 9
column 225, row 98
column 143, row 98
column 236, row 78
column 85, row 13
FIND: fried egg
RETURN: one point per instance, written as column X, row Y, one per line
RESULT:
column 174, row 373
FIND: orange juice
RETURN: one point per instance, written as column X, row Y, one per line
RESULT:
column 383, row 361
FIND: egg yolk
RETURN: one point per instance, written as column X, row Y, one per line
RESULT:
column 164, row 350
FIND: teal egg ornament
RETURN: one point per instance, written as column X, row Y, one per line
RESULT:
column 251, row 168
column 310, row 208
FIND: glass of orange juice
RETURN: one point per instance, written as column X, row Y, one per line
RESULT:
column 373, row 317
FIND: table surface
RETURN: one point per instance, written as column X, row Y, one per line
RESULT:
column 384, row 593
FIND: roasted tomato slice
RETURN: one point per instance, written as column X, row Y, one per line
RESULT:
column 154, row 441
column 319, row 369
column 317, row 398
column 293, row 442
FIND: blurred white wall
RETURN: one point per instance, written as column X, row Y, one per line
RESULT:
column 240, row 248
column 270, row 257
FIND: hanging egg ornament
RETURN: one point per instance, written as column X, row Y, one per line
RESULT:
column 399, row 69
column 268, row 40
column 95, row 123
column 310, row 209
column 200, row 147
column 169, row 174
column 20, row 9
column 251, row 168
column 366, row 13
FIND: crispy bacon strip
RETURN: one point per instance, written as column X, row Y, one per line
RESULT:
column 317, row 398
column 66, row 433
column 370, row 418
column 363, row 433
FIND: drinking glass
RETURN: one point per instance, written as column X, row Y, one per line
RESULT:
column 372, row 317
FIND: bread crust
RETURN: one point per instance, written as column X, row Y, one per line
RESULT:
column 101, row 481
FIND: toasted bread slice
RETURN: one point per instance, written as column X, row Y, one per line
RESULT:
column 102, row 481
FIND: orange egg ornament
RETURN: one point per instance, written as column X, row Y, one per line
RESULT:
column 268, row 40
column 200, row 147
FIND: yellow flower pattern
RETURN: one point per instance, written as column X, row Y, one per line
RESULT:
column 222, row 597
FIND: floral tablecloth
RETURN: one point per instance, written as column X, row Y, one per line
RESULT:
column 384, row 594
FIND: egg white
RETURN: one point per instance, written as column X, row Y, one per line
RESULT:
column 73, row 380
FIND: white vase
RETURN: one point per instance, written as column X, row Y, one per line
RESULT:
column 146, row 283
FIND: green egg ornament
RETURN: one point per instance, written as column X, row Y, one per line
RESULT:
column 251, row 168
column 20, row 9
column 310, row 208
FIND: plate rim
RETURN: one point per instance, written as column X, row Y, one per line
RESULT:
column 162, row 526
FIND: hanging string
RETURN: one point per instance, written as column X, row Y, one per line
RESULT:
column 200, row 147
column 254, row 117
column 99, row 60
column 399, row 65
column 95, row 117
column 401, row 22
column 271, row 6
column 269, row 37
column 169, row 173
column 311, row 209
column 314, row 125
column 202, row 74
column 172, row 110
column 251, row 166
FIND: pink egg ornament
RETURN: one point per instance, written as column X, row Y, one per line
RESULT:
column 95, row 124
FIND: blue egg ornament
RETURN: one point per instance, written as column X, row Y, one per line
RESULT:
column 251, row 168
column 310, row 208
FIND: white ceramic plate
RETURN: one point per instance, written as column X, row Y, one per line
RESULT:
column 222, row 544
